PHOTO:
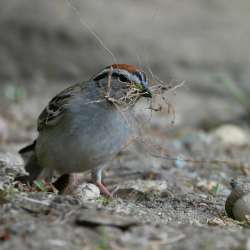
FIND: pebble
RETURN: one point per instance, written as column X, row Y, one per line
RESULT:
column 216, row 222
column 231, row 135
column 86, row 192
column 92, row 218
column 238, row 202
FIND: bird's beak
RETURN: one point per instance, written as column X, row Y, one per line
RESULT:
column 146, row 93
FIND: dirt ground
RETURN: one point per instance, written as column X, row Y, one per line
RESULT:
column 171, row 189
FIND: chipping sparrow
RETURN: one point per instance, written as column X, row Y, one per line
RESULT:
column 86, row 125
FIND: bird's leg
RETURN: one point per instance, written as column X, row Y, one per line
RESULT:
column 62, row 183
column 67, row 183
column 96, row 175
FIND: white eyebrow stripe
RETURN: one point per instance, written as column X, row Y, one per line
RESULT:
column 136, row 78
column 131, row 76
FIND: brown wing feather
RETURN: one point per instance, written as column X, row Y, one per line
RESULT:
column 54, row 111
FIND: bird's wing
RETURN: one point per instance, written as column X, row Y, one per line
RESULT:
column 56, row 108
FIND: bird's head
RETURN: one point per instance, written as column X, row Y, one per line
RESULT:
column 123, row 82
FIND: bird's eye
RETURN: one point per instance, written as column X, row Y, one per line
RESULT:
column 123, row 78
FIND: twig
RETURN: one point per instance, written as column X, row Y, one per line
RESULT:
column 95, row 35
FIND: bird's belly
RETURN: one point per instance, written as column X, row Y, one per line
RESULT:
column 84, row 144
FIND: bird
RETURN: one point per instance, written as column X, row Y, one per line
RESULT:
column 237, row 205
column 86, row 125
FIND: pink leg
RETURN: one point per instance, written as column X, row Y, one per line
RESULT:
column 103, row 189
column 97, row 179
column 67, row 182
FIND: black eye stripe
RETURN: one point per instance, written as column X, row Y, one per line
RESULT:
column 144, row 78
column 123, row 78
column 139, row 76
column 120, row 76
column 136, row 76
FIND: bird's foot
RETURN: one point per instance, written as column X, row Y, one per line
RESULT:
column 104, row 189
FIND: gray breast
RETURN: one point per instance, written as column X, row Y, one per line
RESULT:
column 89, row 135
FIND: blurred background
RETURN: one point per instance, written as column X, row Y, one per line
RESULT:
column 48, row 45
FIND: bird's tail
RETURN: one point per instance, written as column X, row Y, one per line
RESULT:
column 31, row 165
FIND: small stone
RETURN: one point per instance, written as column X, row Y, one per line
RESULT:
column 238, row 202
column 180, row 162
column 10, row 165
column 241, row 209
column 86, row 191
column 57, row 242
column 93, row 218
column 231, row 135
column 216, row 222
column 10, row 162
